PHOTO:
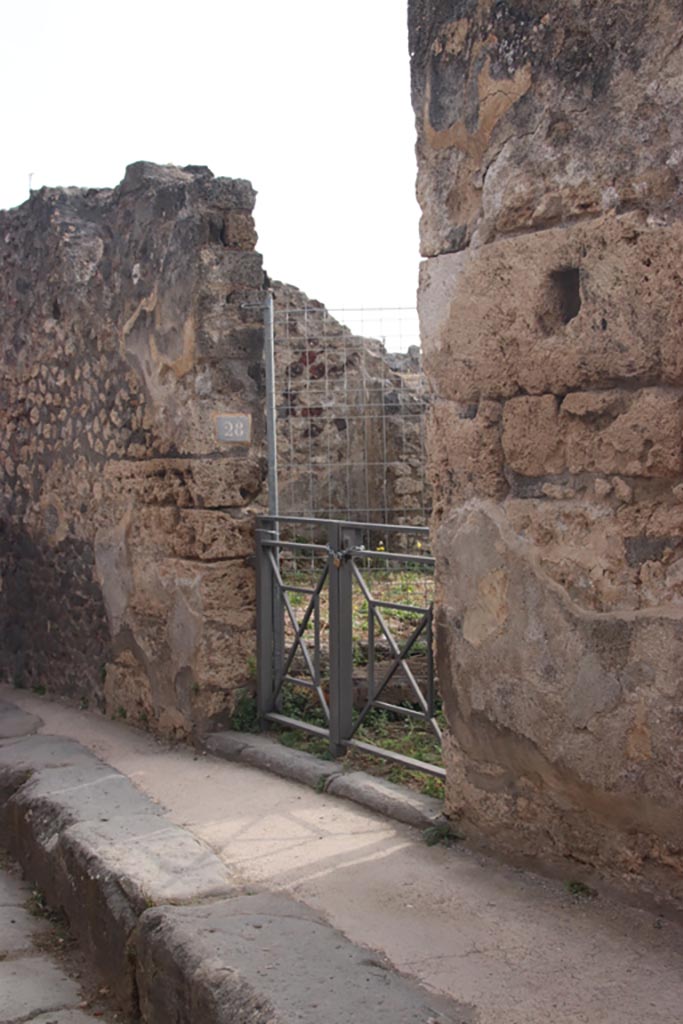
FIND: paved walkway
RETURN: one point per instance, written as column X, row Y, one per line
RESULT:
column 517, row 947
column 38, row 983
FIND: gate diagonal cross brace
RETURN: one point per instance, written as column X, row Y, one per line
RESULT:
column 340, row 572
column 299, row 630
column 398, row 661
column 398, row 653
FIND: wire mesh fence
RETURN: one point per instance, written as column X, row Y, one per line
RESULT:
column 350, row 405
column 351, row 400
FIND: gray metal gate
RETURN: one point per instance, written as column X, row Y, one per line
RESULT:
column 319, row 584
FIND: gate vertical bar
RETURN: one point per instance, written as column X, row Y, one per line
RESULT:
column 265, row 647
column 430, row 662
column 341, row 638
column 271, row 417
column 276, row 630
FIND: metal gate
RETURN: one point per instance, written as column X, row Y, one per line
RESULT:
column 320, row 585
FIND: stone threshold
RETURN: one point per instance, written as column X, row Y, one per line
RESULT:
column 167, row 924
column 378, row 795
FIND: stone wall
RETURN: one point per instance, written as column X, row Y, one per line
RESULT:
column 550, row 148
column 126, row 526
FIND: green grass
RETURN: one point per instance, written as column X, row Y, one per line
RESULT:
column 581, row 891
column 245, row 714
column 441, row 834
column 58, row 939
column 407, row 584
column 403, row 585
column 386, row 729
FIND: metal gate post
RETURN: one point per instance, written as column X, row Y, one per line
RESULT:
column 341, row 637
column 265, row 629
column 271, row 412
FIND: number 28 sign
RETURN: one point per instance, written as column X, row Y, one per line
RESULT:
column 233, row 427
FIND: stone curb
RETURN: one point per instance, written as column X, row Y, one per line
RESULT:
column 286, row 964
column 387, row 798
column 271, row 756
column 378, row 795
column 98, row 849
column 159, row 914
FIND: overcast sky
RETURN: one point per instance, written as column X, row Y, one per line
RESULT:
column 308, row 99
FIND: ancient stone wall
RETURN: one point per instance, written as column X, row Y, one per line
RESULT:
column 550, row 148
column 126, row 526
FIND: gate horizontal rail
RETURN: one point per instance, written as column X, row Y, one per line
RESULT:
column 315, row 650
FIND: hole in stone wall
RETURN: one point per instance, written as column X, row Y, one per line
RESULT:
column 566, row 286
column 561, row 299
column 217, row 234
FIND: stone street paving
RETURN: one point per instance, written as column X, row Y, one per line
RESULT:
column 39, row 966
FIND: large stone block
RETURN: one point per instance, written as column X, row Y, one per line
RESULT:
column 633, row 434
column 466, row 453
column 529, row 116
column 566, row 731
column 264, row 958
column 560, row 310
column 532, row 437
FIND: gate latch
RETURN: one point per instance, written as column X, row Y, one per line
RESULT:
column 343, row 556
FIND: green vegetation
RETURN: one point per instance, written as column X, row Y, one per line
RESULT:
column 59, row 938
column 441, row 834
column 382, row 728
column 245, row 714
column 402, row 734
column 581, row 891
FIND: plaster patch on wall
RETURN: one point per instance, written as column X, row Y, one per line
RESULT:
column 489, row 611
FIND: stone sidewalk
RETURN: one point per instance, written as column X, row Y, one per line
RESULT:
column 508, row 946
column 168, row 929
column 38, row 984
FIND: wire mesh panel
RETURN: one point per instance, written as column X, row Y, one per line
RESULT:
column 345, row 590
column 350, row 412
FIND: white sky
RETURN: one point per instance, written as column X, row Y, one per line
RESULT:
column 308, row 99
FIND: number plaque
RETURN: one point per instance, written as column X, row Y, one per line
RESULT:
column 233, row 427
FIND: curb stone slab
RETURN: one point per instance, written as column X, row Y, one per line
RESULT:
column 107, row 855
column 267, row 958
column 388, row 799
column 98, row 848
column 271, row 756
column 375, row 794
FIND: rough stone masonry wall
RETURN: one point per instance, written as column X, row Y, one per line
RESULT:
column 550, row 148
column 125, row 526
